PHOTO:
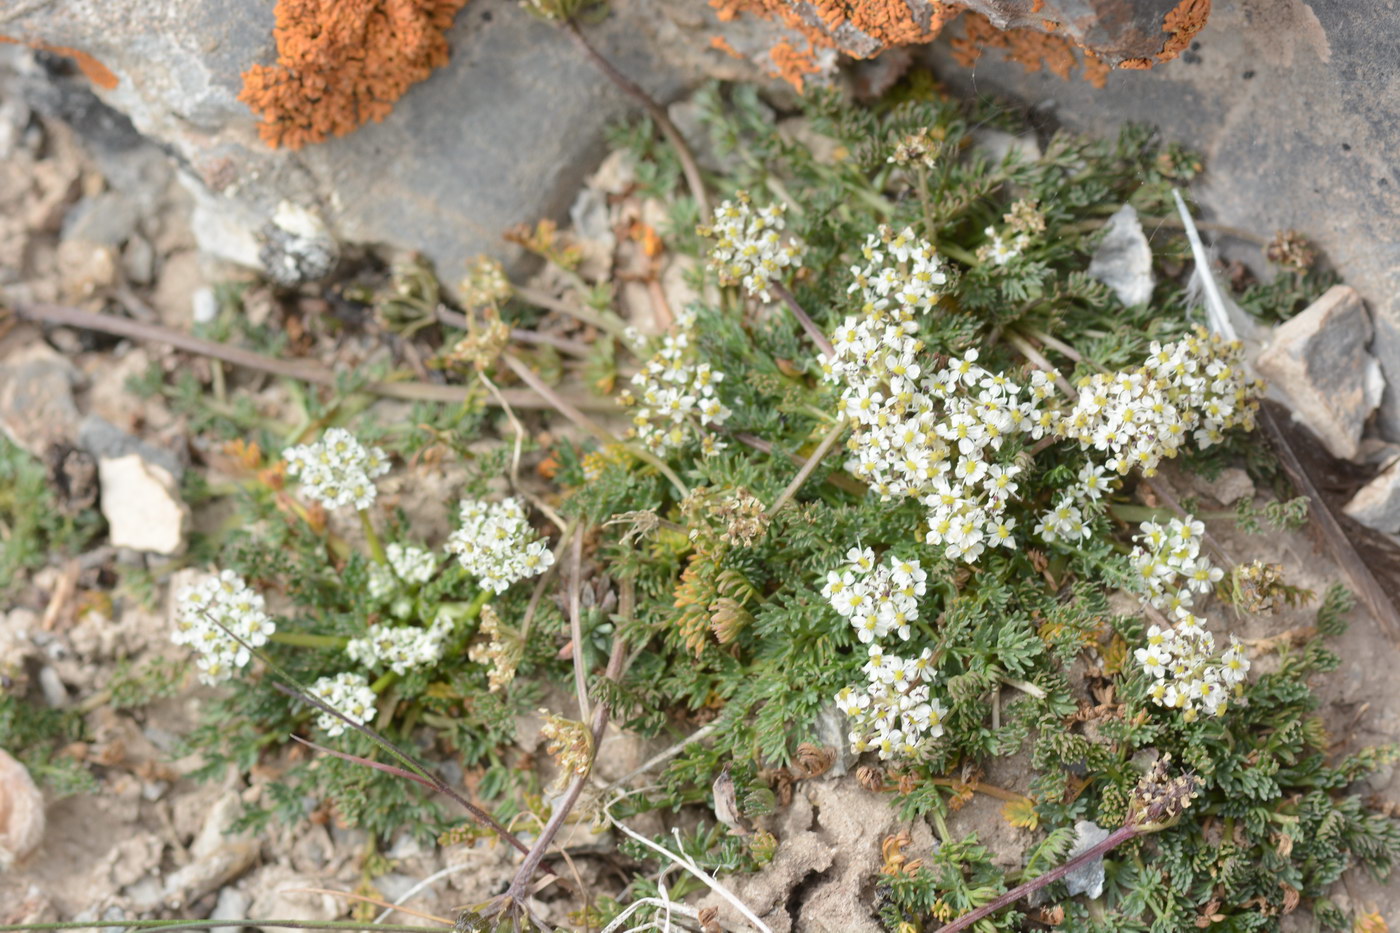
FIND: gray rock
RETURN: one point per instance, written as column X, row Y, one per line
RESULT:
column 52, row 686
column 100, row 438
column 36, row 399
column 1232, row 485
column 216, row 856
column 1089, row 877
column 139, row 260
column 206, row 305
column 1123, row 260
column 997, row 145
column 833, row 731
column 504, row 134
column 1377, row 504
column 232, row 905
column 1297, row 125
column 1318, row 361
column 106, row 219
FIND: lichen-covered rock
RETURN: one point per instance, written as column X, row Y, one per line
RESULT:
column 1319, row 361
column 1377, row 504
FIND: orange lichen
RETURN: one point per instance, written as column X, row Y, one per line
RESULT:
column 889, row 22
column 722, row 44
column 791, row 63
column 1136, row 64
column 342, row 63
column 1029, row 48
column 1183, row 22
column 96, row 72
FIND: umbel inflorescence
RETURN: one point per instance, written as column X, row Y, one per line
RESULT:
column 224, row 621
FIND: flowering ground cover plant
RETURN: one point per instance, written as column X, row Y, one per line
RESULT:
column 870, row 495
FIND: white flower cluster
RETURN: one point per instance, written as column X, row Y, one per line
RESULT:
column 414, row 565
column 1170, row 565
column 750, row 249
column 1187, row 674
column 894, row 712
column 347, row 693
column 408, row 564
column 213, row 616
column 1069, row 519
column 926, row 434
column 1195, row 385
column 1181, row 659
column 400, row 649
column 497, row 545
column 337, row 470
column 672, row 389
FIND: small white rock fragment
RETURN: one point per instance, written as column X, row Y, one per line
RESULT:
column 1087, row 878
column 232, row 905
column 142, row 505
column 1123, row 260
column 206, row 305
column 1318, row 363
column 21, row 812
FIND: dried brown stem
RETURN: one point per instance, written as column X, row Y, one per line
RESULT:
column 689, row 166
column 816, row 458
column 808, row 325
column 302, row 370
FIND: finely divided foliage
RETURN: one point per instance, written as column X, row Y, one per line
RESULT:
column 925, row 523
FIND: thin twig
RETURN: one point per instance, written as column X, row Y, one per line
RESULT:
column 576, row 629
column 420, row 886
column 365, row 899
column 1119, row 836
column 519, row 335
column 668, row 904
column 543, row 299
column 808, row 325
column 822, row 450
column 661, row 757
column 691, row 169
column 302, row 370
column 603, row 436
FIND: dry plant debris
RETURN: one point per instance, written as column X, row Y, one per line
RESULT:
column 343, row 63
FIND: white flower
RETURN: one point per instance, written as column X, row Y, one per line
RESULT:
column 350, row 695
column 337, row 470
column 675, row 397
column 222, row 619
column 496, row 544
column 749, row 248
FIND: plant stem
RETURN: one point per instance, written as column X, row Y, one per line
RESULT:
column 689, row 166
column 576, row 629
column 813, row 331
column 822, row 450
column 384, row 682
column 308, row 640
column 303, row 370
column 958, row 253
column 603, row 436
column 1119, row 836
column 376, row 549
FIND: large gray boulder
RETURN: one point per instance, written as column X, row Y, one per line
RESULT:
column 1293, row 105
column 502, row 135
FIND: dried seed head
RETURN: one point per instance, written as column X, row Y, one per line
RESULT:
column 1291, row 248
column 1160, row 799
column 871, row 777
column 815, row 760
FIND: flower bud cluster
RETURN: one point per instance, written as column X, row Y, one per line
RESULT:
column 337, row 470
column 222, row 619
column 894, row 712
column 750, row 248
column 347, row 693
column 675, row 392
column 1196, row 385
column 412, row 564
column 1023, row 222
column 400, row 649
column 1181, row 659
column 496, row 544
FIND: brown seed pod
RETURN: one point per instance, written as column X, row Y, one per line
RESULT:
column 21, row 812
